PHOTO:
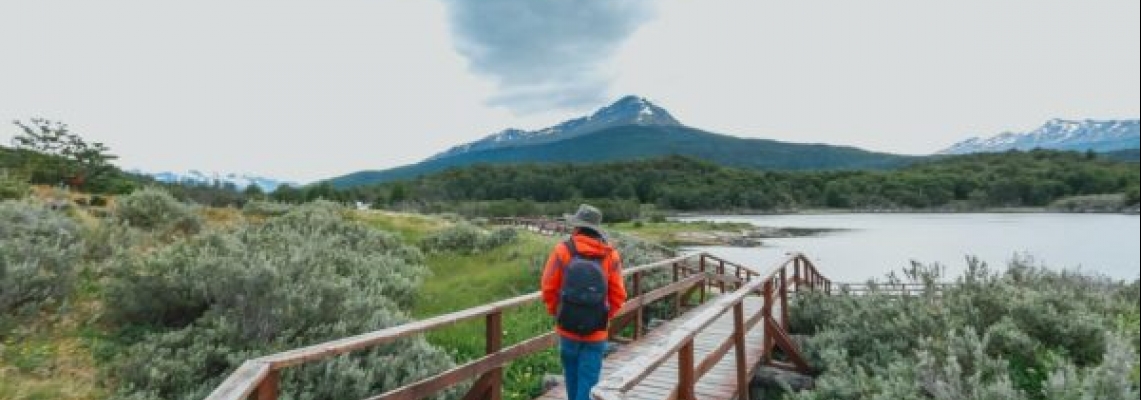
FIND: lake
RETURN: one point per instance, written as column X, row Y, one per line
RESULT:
column 871, row 245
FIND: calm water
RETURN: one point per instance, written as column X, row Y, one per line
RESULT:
column 874, row 244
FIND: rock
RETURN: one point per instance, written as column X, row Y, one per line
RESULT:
column 776, row 378
column 550, row 381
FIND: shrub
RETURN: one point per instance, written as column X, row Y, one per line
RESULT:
column 12, row 187
column 97, row 201
column 154, row 209
column 1024, row 333
column 464, row 238
column 266, row 208
column 39, row 250
column 501, row 237
column 205, row 304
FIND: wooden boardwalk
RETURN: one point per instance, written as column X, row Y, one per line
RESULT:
column 708, row 352
column 718, row 384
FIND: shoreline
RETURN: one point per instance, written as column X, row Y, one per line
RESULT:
column 830, row 211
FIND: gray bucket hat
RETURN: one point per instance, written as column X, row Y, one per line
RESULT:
column 587, row 216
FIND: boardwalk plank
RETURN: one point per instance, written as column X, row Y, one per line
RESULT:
column 719, row 383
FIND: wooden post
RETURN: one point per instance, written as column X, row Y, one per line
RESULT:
column 268, row 388
column 494, row 344
column 706, row 281
column 676, row 296
column 739, row 346
column 767, row 316
column 638, row 311
column 721, row 271
column 796, row 273
column 783, row 300
column 685, row 374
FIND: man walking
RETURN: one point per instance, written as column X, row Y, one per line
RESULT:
column 583, row 288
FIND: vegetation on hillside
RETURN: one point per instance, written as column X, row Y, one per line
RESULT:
column 1011, row 179
column 641, row 142
column 1022, row 333
column 140, row 304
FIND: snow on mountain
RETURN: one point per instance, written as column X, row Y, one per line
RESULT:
column 239, row 181
column 629, row 110
column 1059, row 134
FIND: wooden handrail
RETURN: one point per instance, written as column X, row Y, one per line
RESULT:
column 774, row 285
column 254, row 374
column 617, row 383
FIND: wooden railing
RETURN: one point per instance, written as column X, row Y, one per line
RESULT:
column 691, row 277
column 774, row 287
column 541, row 225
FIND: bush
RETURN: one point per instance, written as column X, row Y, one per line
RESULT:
column 39, row 250
column 1024, row 333
column 266, row 208
column 12, row 187
column 97, row 201
column 464, row 238
column 154, row 209
column 205, row 304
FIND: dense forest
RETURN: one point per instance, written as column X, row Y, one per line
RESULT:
column 1011, row 179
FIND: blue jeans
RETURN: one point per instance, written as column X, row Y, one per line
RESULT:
column 582, row 364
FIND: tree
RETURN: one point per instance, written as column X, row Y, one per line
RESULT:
column 398, row 194
column 254, row 191
column 287, row 194
column 71, row 160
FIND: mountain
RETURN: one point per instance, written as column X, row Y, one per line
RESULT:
column 629, row 110
column 629, row 129
column 1059, row 134
column 632, row 142
column 240, row 181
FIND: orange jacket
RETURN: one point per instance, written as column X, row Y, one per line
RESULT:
column 611, row 268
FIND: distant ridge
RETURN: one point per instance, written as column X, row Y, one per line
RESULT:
column 636, row 142
column 1059, row 134
column 196, row 177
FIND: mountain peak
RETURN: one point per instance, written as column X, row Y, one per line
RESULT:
column 628, row 110
column 1059, row 134
column 635, row 110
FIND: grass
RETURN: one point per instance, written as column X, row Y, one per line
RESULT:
column 667, row 232
column 410, row 227
column 49, row 355
column 464, row 281
column 460, row 282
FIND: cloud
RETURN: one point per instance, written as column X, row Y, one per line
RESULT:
column 544, row 54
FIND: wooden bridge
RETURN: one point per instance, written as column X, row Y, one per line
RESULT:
column 728, row 319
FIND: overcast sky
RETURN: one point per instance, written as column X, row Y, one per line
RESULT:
column 308, row 90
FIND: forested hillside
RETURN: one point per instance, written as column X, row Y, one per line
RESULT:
column 1009, row 179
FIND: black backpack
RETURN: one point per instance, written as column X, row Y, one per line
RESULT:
column 582, row 303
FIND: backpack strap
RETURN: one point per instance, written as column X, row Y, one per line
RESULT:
column 570, row 247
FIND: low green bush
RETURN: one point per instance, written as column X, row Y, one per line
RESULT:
column 1027, row 332
column 39, row 250
column 465, row 238
column 266, row 208
column 192, row 312
column 154, row 209
column 12, row 187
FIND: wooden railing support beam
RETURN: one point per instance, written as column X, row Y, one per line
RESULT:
column 269, row 387
column 685, row 373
